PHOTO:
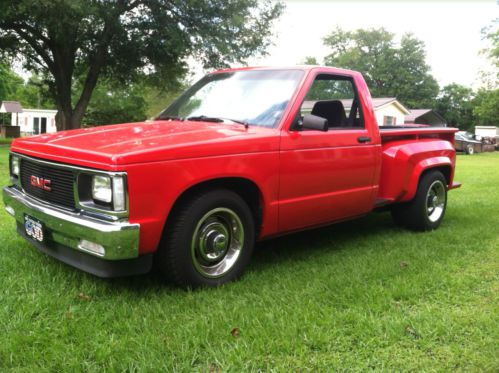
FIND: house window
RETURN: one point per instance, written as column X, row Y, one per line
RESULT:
column 389, row 120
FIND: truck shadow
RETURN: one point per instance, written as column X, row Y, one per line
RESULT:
column 295, row 247
column 320, row 241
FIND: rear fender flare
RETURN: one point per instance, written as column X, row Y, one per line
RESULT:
column 419, row 169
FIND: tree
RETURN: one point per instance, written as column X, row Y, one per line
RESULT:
column 32, row 93
column 128, row 40
column 309, row 60
column 456, row 106
column 112, row 103
column 486, row 102
column 36, row 93
column 486, row 107
column 490, row 76
column 389, row 70
column 491, row 33
column 10, row 82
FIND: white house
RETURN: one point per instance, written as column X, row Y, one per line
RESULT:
column 35, row 121
column 388, row 111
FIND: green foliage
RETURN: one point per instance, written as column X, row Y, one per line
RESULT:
column 10, row 83
column 158, row 100
column 490, row 77
column 359, row 296
column 330, row 90
column 128, row 41
column 5, row 141
column 35, row 94
column 486, row 107
column 456, row 106
column 309, row 60
column 389, row 70
column 31, row 94
column 116, row 103
column 491, row 33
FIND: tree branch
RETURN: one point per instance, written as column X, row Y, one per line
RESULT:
column 42, row 52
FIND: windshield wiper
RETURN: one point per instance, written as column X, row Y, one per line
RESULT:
column 217, row 120
column 170, row 117
column 205, row 118
column 245, row 124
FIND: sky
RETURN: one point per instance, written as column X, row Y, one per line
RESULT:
column 451, row 31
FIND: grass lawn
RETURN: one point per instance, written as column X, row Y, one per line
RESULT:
column 5, row 141
column 355, row 296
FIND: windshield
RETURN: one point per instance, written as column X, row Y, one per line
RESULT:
column 251, row 96
column 466, row 135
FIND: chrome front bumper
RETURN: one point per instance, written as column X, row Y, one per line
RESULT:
column 64, row 231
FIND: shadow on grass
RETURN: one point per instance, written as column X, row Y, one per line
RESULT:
column 296, row 247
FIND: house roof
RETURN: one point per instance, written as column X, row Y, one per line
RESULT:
column 379, row 102
column 47, row 111
column 416, row 113
column 11, row 107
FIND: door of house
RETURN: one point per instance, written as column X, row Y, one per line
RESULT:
column 36, row 126
column 43, row 125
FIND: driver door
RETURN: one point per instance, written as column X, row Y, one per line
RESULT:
column 326, row 176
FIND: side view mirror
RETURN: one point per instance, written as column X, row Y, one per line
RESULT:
column 313, row 122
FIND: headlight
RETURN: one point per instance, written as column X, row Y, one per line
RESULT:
column 101, row 189
column 14, row 166
column 109, row 190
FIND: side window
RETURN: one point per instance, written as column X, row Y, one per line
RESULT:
column 335, row 99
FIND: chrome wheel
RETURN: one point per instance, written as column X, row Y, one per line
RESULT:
column 435, row 201
column 217, row 242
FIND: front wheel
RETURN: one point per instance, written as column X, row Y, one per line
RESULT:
column 427, row 209
column 208, row 241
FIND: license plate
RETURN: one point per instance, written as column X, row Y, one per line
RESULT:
column 33, row 228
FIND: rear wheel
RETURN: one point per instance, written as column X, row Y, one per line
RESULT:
column 427, row 209
column 208, row 241
column 469, row 149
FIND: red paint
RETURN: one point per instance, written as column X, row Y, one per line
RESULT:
column 305, row 178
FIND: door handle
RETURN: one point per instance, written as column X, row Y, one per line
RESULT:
column 363, row 139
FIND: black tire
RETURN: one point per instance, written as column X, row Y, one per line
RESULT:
column 192, row 250
column 469, row 149
column 424, row 212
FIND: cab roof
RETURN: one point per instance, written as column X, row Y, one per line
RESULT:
column 332, row 70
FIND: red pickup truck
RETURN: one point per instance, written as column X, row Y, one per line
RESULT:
column 237, row 158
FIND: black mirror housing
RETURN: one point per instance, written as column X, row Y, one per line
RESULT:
column 313, row 122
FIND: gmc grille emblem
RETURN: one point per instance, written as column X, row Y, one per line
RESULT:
column 40, row 182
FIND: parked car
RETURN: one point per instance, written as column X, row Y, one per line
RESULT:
column 231, row 161
column 466, row 142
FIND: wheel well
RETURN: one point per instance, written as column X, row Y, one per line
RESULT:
column 445, row 170
column 245, row 188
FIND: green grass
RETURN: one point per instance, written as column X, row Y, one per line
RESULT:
column 5, row 141
column 356, row 296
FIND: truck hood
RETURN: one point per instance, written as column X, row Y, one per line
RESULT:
column 108, row 147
